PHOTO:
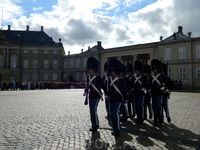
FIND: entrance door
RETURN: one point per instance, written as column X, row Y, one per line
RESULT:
column 12, row 77
column 71, row 79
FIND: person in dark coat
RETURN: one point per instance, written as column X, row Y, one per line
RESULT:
column 105, row 81
column 139, row 82
column 130, row 97
column 147, row 97
column 156, row 84
column 166, row 93
column 117, row 94
column 123, row 108
column 94, row 90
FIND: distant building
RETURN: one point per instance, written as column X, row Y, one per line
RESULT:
column 29, row 56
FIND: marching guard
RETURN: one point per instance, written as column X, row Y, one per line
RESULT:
column 105, row 80
column 147, row 97
column 93, row 88
column 156, row 85
column 166, row 93
column 117, row 94
column 139, row 82
column 130, row 97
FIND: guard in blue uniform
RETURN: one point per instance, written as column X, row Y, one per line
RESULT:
column 147, row 97
column 105, row 81
column 93, row 88
column 130, row 97
column 139, row 82
column 123, row 108
column 166, row 93
column 117, row 94
column 156, row 84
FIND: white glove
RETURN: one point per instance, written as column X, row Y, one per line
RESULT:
column 84, row 93
column 145, row 91
column 106, row 97
column 167, row 90
column 149, row 90
column 162, row 88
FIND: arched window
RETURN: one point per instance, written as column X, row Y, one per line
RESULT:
column 13, row 61
column 1, row 61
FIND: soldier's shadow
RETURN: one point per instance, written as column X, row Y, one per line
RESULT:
column 168, row 134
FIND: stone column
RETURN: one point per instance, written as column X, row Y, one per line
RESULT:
column 7, row 57
column 18, row 58
column 134, row 57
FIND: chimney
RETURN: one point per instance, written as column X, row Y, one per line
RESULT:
column 27, row 28
column 189, row 34
column 42, row 28
column 59, row 40
column 99, row 43
column 89, row 48
column 180, row 29
column 68, row 52
column 9, row 27
column 161, row 38
column 81, row 50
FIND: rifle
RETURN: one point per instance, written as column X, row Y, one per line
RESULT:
column 86, row 94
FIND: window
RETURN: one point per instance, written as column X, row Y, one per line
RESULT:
column 35, row 52
column 78, row 63
column 168, row 54
column 55, row 76
column 84, row 62
column 35, row 76
column 25, row 76
column 84, row 76
column 55, row 64
column 198, row 51
column 78, row 75
column 182, row 53
column 198, row 72
column 65, row 76
column 46, row 52
column 13, row 61
column 65, row 63
column 25, row 63
column 169, row 73
column 45, row 76
column 1, row 61
column 182, row 73
column 55, row 52
column 26, row 51
column 46, row 64
column 35, row 63
column 71, row 63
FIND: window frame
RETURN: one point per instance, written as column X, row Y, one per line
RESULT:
column 1, row 61
column 26, row 65
column 168, row 54
column 46, row 65
column 34, row 74
column 182, row 73
column 46, row 52
column 25, row 76
column 55, row 65
column 197, row 51
column 182, row 52
column 13, row 61
column 35, row 65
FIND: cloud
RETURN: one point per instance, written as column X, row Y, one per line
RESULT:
column 82, row 23
column 37, row 8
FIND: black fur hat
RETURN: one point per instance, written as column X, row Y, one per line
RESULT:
column 92, row 63
column 164, row 68
column 123, row 68
column 147, row 68
column 114, row 65
column 138, row 65
column 156, row 64
column 106, row 66
column 129, row 68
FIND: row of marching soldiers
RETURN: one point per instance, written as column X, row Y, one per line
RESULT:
column 134, row 86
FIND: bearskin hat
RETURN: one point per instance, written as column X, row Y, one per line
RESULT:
column 138, row 65
column 92, row 63
column 156, row 64
column 123, row 68
column 147, row 68
column 164, row 68
column 106, row 66
column 129, row 67
column 114, row 65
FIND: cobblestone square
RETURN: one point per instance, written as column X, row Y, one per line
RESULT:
column 59, row 120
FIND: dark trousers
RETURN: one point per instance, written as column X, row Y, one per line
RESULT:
column 114, row 110
column 139, row 102
column 107, row 103
column 165, row 106
column 93, row 103
column 156, row 103
column 147, row 104
column 131, row 105
column 123, row 110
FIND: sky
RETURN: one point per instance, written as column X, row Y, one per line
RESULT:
column 116, row 23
